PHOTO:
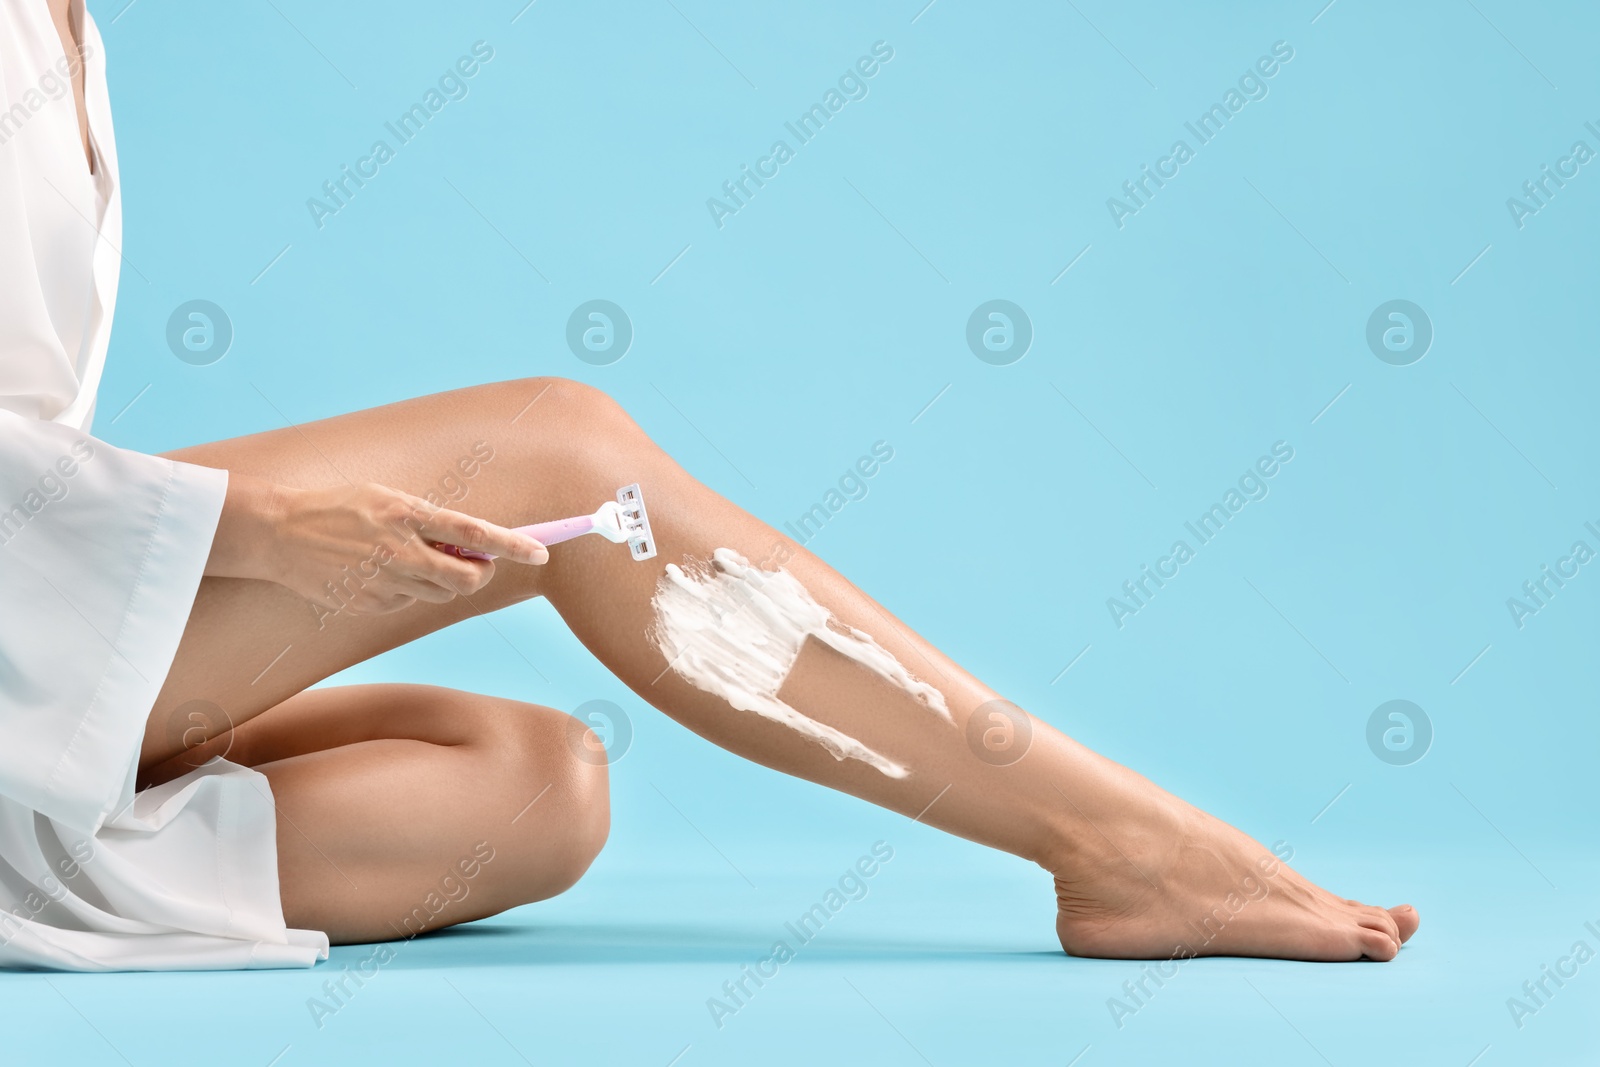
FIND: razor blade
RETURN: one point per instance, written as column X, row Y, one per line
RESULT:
column 635, row 522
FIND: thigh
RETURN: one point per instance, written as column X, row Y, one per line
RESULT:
column 404, row 808
column 511, row 452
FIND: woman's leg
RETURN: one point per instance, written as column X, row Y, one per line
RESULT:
column 1138, row 872
column 406, row 808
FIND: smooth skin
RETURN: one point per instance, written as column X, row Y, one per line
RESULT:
column 388, row 794
column 382, row 788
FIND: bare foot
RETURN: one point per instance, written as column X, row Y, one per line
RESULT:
column 1162, row 880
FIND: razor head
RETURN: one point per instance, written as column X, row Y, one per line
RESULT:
column 636, row 522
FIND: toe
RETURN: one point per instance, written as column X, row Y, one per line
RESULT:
column 1407, row 920
column 1376, row 944
column 1380, row 919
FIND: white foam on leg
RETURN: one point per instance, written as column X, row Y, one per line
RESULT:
column 735, row 631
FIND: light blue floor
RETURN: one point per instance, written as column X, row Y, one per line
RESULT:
column 1171, row 347
column 946, row 960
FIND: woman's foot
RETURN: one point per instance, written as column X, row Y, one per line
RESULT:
column 1163, row 880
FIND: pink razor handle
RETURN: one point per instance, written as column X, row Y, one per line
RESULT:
column 621, row 520
column 546, row 533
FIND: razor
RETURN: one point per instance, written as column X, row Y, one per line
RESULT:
column 619, row 520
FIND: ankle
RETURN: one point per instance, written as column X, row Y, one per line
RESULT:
column 1137, row 835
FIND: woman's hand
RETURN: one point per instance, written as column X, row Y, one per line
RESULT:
column 366, row 549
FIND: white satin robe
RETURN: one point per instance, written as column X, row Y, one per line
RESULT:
column 101, row 553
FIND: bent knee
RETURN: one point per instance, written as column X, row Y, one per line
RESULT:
column 568, row 401
column 556, row 772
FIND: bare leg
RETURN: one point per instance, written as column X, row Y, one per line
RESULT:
column 407, row 808
column 1138, row 872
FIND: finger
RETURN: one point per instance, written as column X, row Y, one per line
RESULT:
column 380, row 604
column 428, row 592
column 466, row 531
column 448, row 571
column 439, row 586
column 398, row 603
column 464, row 553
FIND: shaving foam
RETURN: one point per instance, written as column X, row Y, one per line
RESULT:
column 735, row 631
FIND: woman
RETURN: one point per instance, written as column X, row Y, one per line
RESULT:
column 174, row 794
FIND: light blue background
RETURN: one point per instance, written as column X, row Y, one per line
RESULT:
column 1223, row 317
